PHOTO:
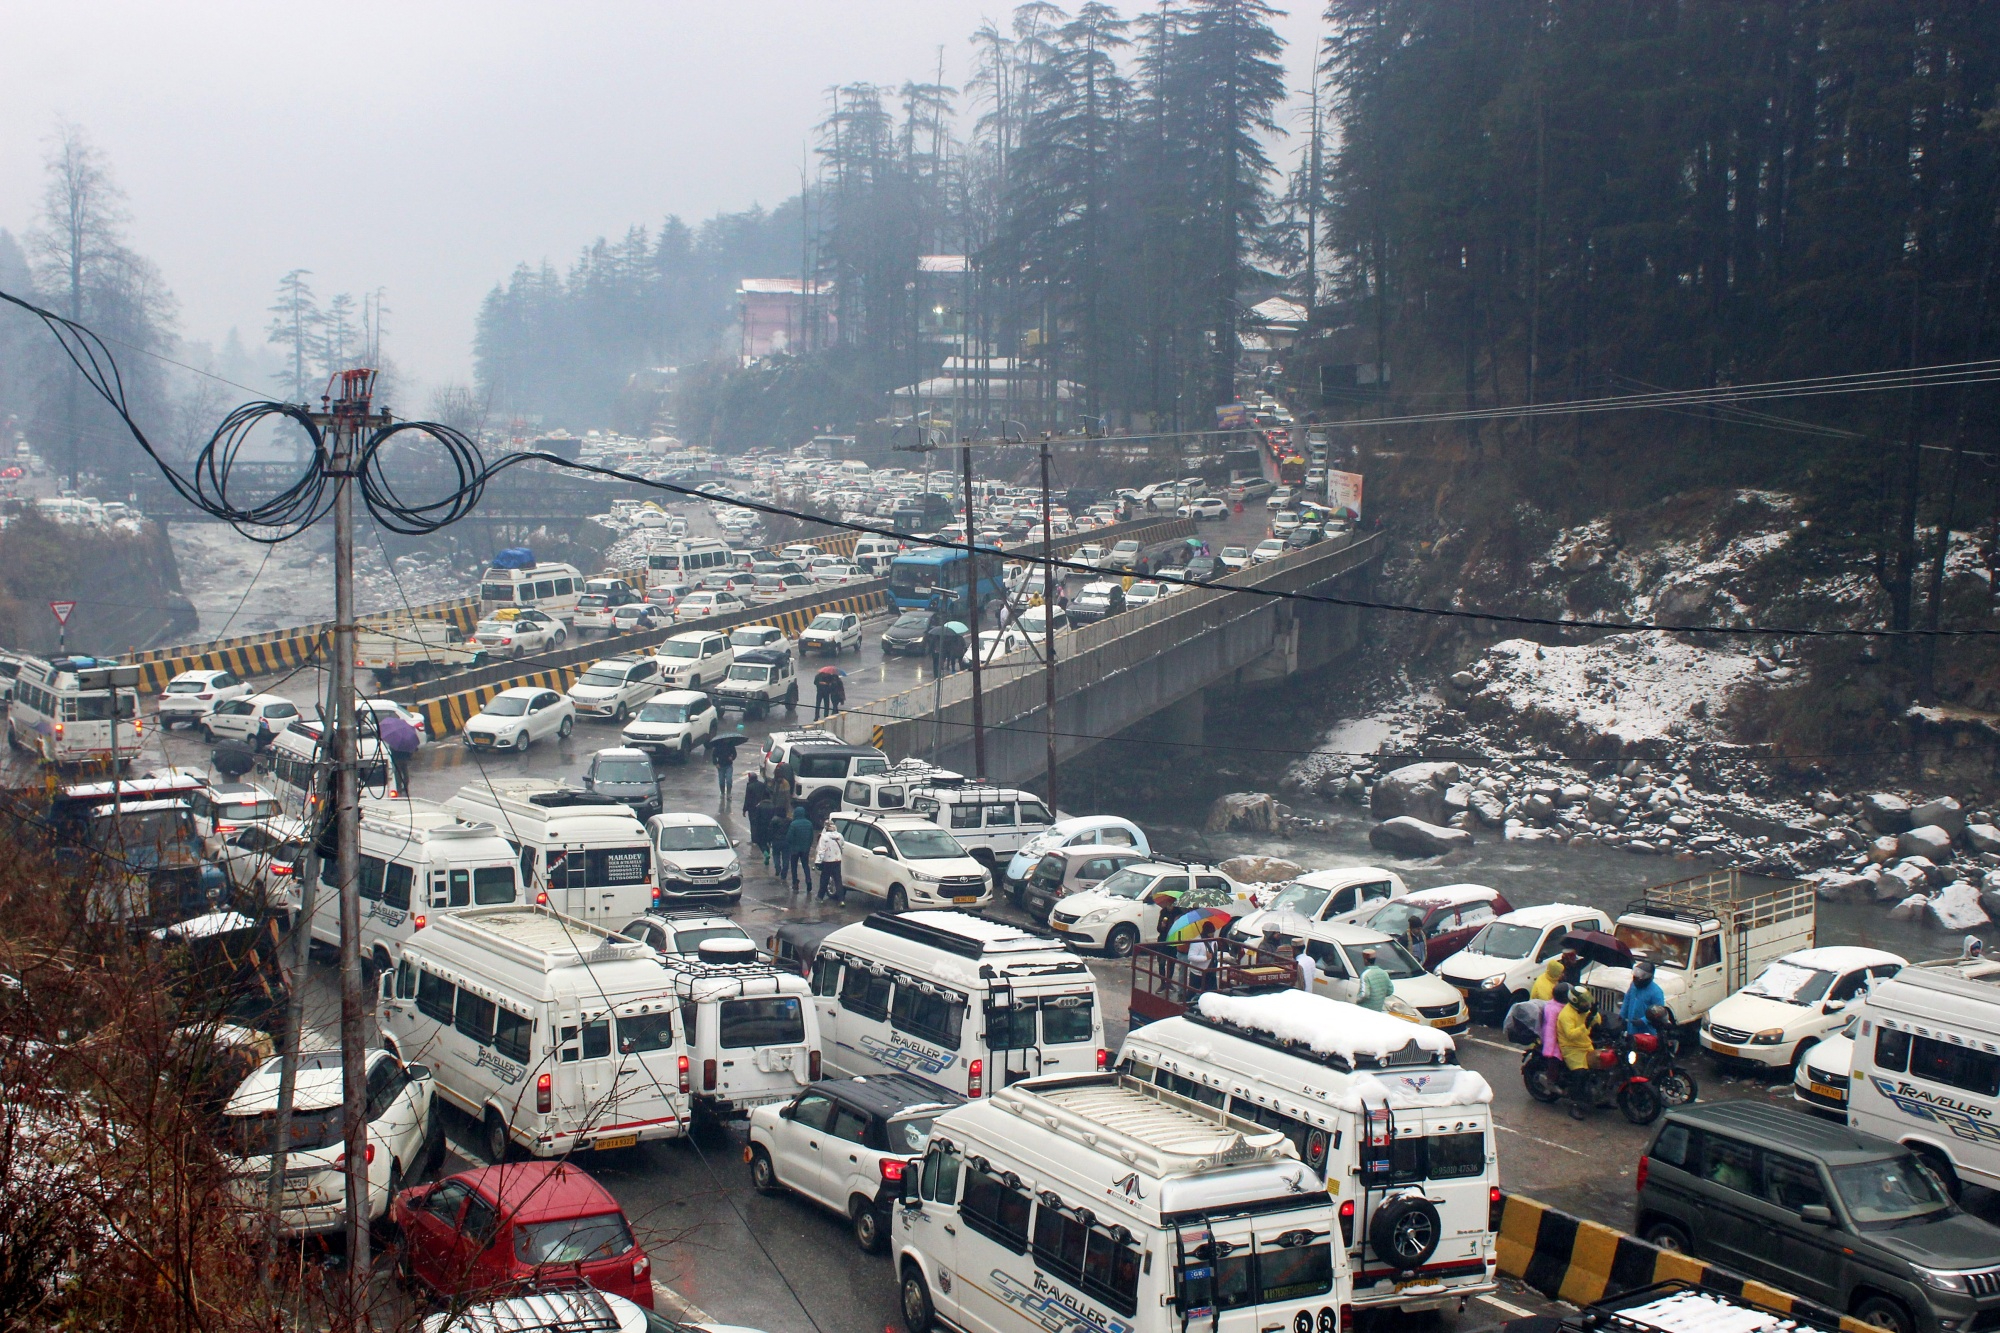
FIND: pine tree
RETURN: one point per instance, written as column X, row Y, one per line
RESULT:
column 295, row 326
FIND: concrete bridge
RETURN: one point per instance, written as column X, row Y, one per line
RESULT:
column 1147, row 668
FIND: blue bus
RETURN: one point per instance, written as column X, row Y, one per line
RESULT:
column 915, row 577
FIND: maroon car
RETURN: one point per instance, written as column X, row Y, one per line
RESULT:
column 1447, row 917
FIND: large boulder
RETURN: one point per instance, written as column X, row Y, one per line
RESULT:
column 1489, row 809
column 1982, row 837
column 1957, row 907
column 1887, row 813
column 1244, row 811
column 1414, row 789
column 1944, row 812
column 1911, row 908
column 1902, row 879
column 1927, row 840
column 1261, row 869
column 1407, row 836
column 1882, row 850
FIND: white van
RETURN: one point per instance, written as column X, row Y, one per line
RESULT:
column 966, row 1002
column 546, row 587
column 582, row 854
column 551, row 1032
column 297, row 763
column 1926, row 1067
column 1378, row 1109
column 751, row 1029
column 60, row 722
column 991, row 822
column 418, row 861
column 1100, row 1202
column 688, row 561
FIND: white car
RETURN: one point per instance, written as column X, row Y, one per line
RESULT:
column 253, row 717
column 996, row 644
column 1279, row 498
column 521, row 633
column 909, row 862
column 1091, row 554
column 672, row 723
column 684, row 932
column 1207, row 506
column 694, row 659
column 844, row 1143
column 1820, row 1083
column 517, row 718
column 1793, row 1003
column 405, row 1137
column 1233, row 557
column 372, row 711
column 697, row 863
column 708, row 602
column 757, row 636
column 831, row 632
column 1077, row 831
column 615, row 687
column 636, row 616
column 259, row 862
column 1337, row 954
column 1268, row 549
column 1146, row 593
column 193, row 695
column 777, row 587
column 1502, row 961
column 1119, row 912
column 1285, row 523
column 838, row 575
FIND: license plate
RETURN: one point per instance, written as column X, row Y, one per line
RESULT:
column 966, row 900
column 1720, row 1049
column 1059, row 925
column 1831, row 1094
column 1443, row 1022
column 616, row 1141
column 482, row 740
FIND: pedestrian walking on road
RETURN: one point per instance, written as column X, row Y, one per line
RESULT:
column 722, row 753
column 755, row 789
column 1376, row 985
column 826, row 854
column 798, row 846
column 783, row 789
column 762, row 817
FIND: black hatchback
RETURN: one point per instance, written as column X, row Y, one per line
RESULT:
column 1854, row 1222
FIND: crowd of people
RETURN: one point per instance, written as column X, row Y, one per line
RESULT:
column 790, row 843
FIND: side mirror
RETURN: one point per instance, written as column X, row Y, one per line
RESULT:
column 1816, row 1214
column 418, row 1073
column 1833, row 1006
column 786, row 1111
column 589, row 782
column 913, row 1171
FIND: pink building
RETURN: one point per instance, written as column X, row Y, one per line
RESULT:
column 783, row 315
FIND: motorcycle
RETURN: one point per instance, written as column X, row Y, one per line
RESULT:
column 1614, row 1080
column 1652, row 1058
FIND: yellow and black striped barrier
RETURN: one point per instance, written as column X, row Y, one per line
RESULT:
column 448, row 713
column 278, row 650
column 1570, row 1259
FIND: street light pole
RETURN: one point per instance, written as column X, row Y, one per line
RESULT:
column 972, row 619
column 1049, row 624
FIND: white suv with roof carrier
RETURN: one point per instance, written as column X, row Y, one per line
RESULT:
column 992, row 822
column 821, row 770
column 615, row 687
column 1500, row 965
column 908, row 861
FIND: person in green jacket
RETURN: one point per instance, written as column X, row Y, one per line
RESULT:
column 1376, row 987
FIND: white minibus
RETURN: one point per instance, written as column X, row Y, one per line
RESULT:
column 553, row 1034
column 582, row 854
column 1103, row 1203
column 1378, row 1108
column 63, row 723
column 688, row 561
column 546, row 587
column 966, row 1002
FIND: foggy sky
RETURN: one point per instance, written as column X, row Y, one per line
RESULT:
column 426, row 146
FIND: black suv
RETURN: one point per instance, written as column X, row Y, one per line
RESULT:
column 1846, row 1219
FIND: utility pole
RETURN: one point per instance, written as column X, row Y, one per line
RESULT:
column 972, row 619
column 1049, row 624
column 345, row 418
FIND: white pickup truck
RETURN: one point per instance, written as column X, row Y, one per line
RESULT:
column 414, row 649
column 1706, row 937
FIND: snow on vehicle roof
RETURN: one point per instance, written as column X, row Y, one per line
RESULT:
column 1342, row 876
column 200, row 927
column 1451, row 895
column 1545, row 915
column 1330, row 1027
column 1700, row 1312
column 1842, row 957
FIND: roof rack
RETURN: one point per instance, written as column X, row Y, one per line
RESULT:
column 557, row 800
column 941, row 937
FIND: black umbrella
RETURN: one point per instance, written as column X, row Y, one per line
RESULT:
column 1594, row 946
column 725, row 744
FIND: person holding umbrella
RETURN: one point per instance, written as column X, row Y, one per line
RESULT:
column 402, row 741
column 722, row 753
column 828, row 693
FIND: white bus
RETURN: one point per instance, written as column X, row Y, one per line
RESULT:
column 1101, row 1203
column 546, row 587
column 582, row 854
column 62, row 723
column 297, row 756
column 687, row 561
column 552, row 1033
column 418, row 861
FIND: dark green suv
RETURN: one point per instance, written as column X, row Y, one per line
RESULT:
column 1843, row 1218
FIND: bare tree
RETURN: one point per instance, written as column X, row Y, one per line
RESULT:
column 455, row 404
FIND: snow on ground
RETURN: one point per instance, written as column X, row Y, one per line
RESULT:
column 1633, row 688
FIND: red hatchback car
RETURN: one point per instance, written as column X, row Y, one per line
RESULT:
column 484, row 1233
column 1449, row 916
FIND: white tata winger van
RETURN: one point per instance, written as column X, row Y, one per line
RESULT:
column 553, row 1033
column 966, row 1002
column 580, row 853
column 1102, row 1202
column 1377, row 1108
column 1926, row 1069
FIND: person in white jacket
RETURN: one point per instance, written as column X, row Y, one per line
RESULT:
column 826, row 854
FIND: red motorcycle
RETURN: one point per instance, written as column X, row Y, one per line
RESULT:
column 1614, row 1078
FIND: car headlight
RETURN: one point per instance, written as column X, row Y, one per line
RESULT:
column 672, row 868
column 735, row 867
column 1493, row 983
column 1096, row 918
column 1942, row 1280
column 1768, row 1037
column 923, row 878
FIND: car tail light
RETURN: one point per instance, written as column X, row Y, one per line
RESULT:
column 892, row 1169
column 367, row 1157
column 812, row 1066
column 640, row 1267
column 278, row 869
column 545, row 1093
column 975, row 1079
column 137, row 726
column 59, row 728
column 198, row 696
column 1347, row 1222
column 542, row 898
column 1496, row 1202
column 1346, row 1318
column 419, row 920
column 656, row 896
column 1639, row 1183
column 708, row 1076
column 1103, row 1059
column 684, row 1073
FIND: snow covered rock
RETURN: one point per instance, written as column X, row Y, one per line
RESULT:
column 1887, row 813
column 1926, row 840
column 1457, row 798
column 1838, row 886
column 1261, row 869
column 1902, row 879
column 1982, row 837
column 1247, row 811
column 1944, row 813
column 1414, row 789
column 1407, row 836
column 1957, row 907
column 1489, row 808
column 1642, row 690
column 1910, row 908
column 1539, row 807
